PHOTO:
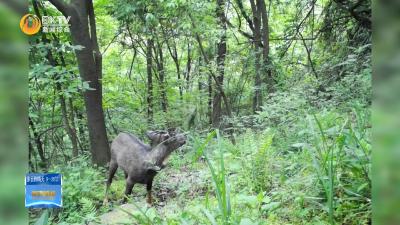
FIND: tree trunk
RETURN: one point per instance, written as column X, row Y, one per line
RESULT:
column 67, row 121
column 30, row 154
column 73, row 122
column 161, row 76
column 71, row 134
column 188, row 67
column 211, row 73
column 83, row 33
column 221, row 53
column 81, row 129
column 149, row 62
column 209, row 103
column 257, row 99
column 39, row 144
column 174, row 55
column 266, row 68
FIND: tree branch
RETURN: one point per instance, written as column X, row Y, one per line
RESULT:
column 244, row 14
column 309, row 56
column 63, row 7
column 297, row 30
column 112, row 41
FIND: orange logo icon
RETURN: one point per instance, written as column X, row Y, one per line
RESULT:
column 30, row 24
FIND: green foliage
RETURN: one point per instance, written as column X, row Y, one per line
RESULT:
column 324, row 177
column 221, row 184
column 260, row 168
column 83, row 191
column 145, row 216
column 340, row 156
column 43, row 219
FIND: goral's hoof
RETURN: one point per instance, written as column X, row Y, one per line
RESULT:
column 123, row 201
column 149, row 201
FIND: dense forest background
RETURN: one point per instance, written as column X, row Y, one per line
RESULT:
column 274, row 97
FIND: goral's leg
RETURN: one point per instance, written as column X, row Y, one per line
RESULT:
column 149, row 186
column 111, row 172
column 128, row 189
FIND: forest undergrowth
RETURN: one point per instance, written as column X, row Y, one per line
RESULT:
column 314, row 171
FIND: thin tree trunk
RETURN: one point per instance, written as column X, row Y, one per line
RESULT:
column 70, row 132
column 221, row 53
column 57, row 141
column 188, row 67
column 73, row 122
column 149, row 62
column 257, row 43
column 161, row 76
column 213, row 76
column 31, row 153
column 244, row 14
column 209, row 99
column 81, row 129
column 39, row 144
column 115, row 130
column 174, row 55
column 265, row 38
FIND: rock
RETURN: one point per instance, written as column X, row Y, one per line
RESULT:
column 117, row 216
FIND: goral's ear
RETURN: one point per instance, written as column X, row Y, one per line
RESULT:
column 164, row 136
column 152, row 135
column 150, row 166
column 172, row 131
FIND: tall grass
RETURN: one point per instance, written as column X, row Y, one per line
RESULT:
column 327, row 166
column 43, row 219
column 220, row 180
column 341, row 151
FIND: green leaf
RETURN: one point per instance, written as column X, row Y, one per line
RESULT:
column 248, row 200
column 270, row 207
column 150, row 18
column 210, row 217
column 77, row 47
column 362, row 187
column 44, row 218
column 200, row 150
column 247, row 221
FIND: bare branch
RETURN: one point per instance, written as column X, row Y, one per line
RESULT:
column 109, row 44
